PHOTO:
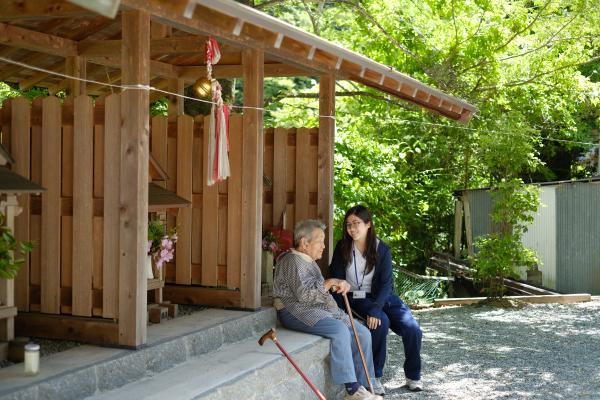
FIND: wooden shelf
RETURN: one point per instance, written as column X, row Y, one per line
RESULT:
column 155, row 284
column 7, row 312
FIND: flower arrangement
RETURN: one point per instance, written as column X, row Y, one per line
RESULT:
column 9, row 266
column 161, row 243
column 270, row 242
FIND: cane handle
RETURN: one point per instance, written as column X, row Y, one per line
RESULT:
column 269, row 335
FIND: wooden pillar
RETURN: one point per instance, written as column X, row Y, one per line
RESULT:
column 10, row 207
column 252, row 172
column 75, row 66
column 325, row 171
column 133, row 218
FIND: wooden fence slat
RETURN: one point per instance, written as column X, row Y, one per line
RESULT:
column 279, row 173
column 20, row 146
column 83, row 211
column 112, row 167
column 36, row 176
column 67, row 149
column 98, row 235
column 51, row 205
column 302, row 168
column 197, row 184
column 234, row 203
column 158, row 142
column 6, row 111
column 98, row 160
column 291, row 177
column 210, row 220
column 185, row 144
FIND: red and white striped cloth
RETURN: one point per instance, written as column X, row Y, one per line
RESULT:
column 218, row 140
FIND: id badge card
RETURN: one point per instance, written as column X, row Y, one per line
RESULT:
column 359, row 294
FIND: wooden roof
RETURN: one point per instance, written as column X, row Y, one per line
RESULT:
column 11, row 182
column 50, row 34
column 160, row 198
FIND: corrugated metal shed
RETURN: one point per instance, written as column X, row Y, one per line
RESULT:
column 578, row 237
column 565, row 232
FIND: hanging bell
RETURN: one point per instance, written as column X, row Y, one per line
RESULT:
column 202, row 87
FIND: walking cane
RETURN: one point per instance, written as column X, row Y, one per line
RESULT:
column 362, row 355
column 271, row 335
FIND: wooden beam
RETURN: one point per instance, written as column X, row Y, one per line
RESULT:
column 15, row 36
column 88, row 330
column 156, row 67
column 31, row 10
column 252, row 172
column 133, row 217
column 191, row 73
column 201, row 295
column 325, row 164
column 158, row 46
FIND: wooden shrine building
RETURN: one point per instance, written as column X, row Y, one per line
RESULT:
column 86, row 279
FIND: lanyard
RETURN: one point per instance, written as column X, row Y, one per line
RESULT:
column 356, row 271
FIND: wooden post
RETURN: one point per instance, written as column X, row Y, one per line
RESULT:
column 21, row 151
column 458, row 219
column 252, row 172
column 76, row 66
column 133, row 218
column 10, row 206
column 50, row 243
column 325, row 172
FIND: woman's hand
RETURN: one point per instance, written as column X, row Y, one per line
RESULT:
column 337, row 285
column 373, row 323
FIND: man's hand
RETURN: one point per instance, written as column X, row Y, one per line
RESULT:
column 373, row 323
column 337, row 285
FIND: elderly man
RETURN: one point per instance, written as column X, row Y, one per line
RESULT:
column 304, row 304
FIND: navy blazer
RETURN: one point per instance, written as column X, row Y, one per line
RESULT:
column 382, row 285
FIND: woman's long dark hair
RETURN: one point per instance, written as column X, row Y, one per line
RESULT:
column 346, row 242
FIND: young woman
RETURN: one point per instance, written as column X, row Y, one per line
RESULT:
column 364, row 260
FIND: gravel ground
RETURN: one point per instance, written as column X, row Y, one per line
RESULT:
column 548, row 351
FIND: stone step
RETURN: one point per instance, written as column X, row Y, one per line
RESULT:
column 88, row 370
column 242, row 370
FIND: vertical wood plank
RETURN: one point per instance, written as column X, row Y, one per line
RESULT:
column 252, row 172
column 51, row 203
column 7, row 286
column 20, row 146
column 83, row 207
column 133, row 221
column 326, row 150
column 158, row 142
column 98, row 156
column 279, row 173
column 112, row 166
column 6, row 123
column 98, row 235
column 210, row 220
column 36, row 176
column 234, row 203
column 197, row 184
column 185, row 145
column 290, row 178
column 302, row 167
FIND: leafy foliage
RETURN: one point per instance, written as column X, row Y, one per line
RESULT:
column 9, row 248
column 531, row 67
column 501, row 252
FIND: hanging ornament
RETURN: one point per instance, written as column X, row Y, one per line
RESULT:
column 202, row 87
column 218, row 138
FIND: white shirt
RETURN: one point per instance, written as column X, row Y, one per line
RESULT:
column 355, row 272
